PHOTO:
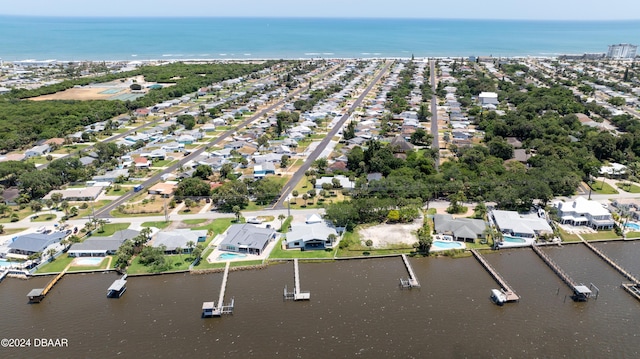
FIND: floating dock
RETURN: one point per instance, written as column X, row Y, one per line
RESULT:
column 509, row 294
column 581, row 293
column 38, row 294
column 297, row 294
column 117, row 289
column 412, row 281
column 209, row 309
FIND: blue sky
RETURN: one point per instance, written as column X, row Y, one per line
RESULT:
column 467, row 9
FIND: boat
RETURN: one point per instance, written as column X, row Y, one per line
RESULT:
column 498, row 296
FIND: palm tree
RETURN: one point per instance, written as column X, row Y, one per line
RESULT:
column 1, row 228
column 236, row 211
column 281, row 217
column 51, row 252
column 73, row 211
column 191, row 245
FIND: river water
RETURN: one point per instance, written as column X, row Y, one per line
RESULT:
column 356, row 310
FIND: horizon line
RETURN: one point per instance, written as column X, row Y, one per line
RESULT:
column 314, row 17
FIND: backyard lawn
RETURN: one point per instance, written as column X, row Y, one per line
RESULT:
column 109, row 229
column 279, row 253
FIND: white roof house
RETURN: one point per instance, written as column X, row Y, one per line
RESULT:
column 487, row 98
column 584, row 212
column 310, row 236
column 520, row 225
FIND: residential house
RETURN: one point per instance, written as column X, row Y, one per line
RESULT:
column 101, row 246
column 263, row 169
column 141, row 162
column 164, row 189
column 247, row 238
column 37, row 151
column 28, row 244
column 309, row 236
column 461, row 229
column 488, row 98
column 526, row 225
column 584, row 212
column 78, row 194
column 176, row 241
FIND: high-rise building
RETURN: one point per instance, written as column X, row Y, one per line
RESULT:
column 622, row 51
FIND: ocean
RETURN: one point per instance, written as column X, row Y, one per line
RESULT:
column 77, row 39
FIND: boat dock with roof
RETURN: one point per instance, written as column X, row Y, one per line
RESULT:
column 210, row 309
column 297, row 294
column 412, row 281
column 117, row 289
column 38, row 294
column 581, row 293
column 508, row 294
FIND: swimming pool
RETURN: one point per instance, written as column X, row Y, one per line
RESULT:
column 88, row 261
column 439, row 245
column 633, row 226
column 514, row 239
column 6, row 264
column 224, row 256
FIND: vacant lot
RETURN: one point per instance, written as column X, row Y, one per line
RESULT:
column 386, row 235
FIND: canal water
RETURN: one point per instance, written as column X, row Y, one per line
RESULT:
column 356, row 310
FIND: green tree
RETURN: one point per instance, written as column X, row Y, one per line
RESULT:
column 203, row 172
column 237, row 213
column 192, row 187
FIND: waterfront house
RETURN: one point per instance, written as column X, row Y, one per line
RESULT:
column 310, row 235
column 101, row 246
column 28, row 244
column 526, row 225
column 247, row 238
column 461, row 229
column 584, row 212
column 175, row 242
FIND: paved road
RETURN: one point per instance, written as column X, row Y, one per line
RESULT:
column 434, row 112
column 290, row 185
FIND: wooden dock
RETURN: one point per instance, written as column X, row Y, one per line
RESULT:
column 210, row 309
column 509, row 293
column 297, row 294
column 581, row 292
column 3, row 274
column 615, row 265
column 38, row 294
column 412, row 281
column 632, row 289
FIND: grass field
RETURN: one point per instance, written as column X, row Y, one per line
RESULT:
column 58, row 265
column 600, row 235
column 159, row 224
column 194, row 221
column 568, row 237
column 603, row 188
column 629, row 187
column 178, row 262
column 109, row 229
column 279, row 253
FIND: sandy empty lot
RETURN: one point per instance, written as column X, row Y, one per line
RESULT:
column 85, row 93
column 384, row 235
